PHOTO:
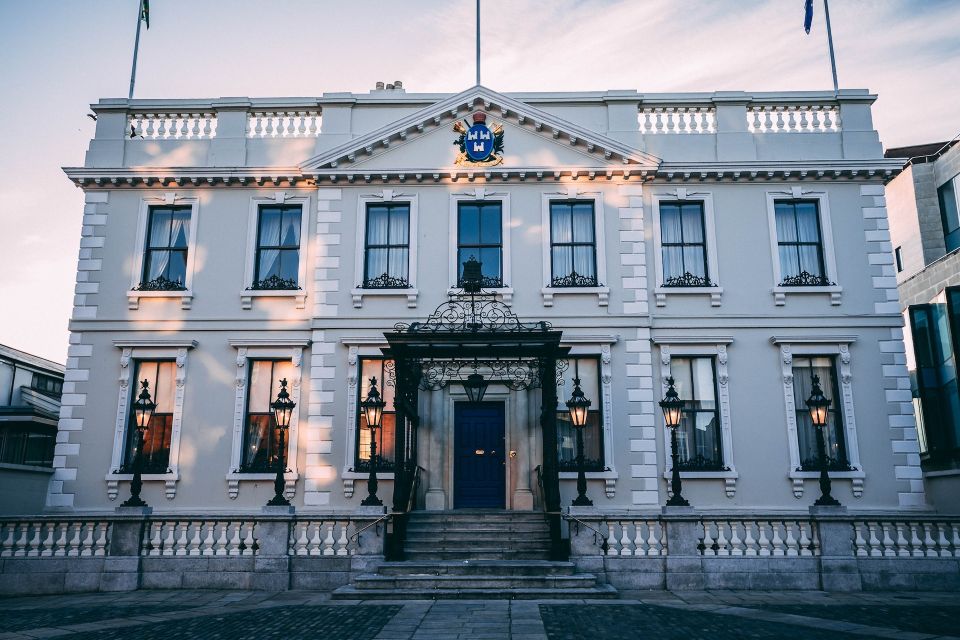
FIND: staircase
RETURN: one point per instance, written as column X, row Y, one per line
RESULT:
column 468, row 554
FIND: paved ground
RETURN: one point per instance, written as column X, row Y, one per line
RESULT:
column 239, row 615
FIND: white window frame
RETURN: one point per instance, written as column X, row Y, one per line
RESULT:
column 681, row 194
column 839, row 347
column 298, row 295
column 137, row 350
column 383, row 197
column 548, row 292
column 164, row 200
column 714, row 347
column 482, row 195
column 265, row 349
column 826, row 239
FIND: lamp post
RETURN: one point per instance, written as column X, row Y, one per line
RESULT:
column 372, row 407
column 819, row 407
column 143, row 408
column 672, row 407
column 282, row 409
column 578, row 405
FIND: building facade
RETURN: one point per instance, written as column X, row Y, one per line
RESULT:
column 925, row 232
column 736, row 242
column 30, row 389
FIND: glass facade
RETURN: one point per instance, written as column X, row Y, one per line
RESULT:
column 948, row 194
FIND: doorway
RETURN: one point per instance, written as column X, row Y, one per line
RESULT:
column 479, row 469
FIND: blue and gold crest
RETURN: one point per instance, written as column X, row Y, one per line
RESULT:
column 480, row 145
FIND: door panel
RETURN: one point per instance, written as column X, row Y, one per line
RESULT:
column 479, row 470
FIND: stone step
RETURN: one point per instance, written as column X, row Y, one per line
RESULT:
column 485, row 567
column 349, row 592
column 480, row 553
column 488, row 527
column 475, row 537
column 457, row 545
column 417, row 582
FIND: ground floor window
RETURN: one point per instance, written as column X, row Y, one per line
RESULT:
column 588, row 370
column 160, row 377
column 386, row 434
column 804, row 368
column 698, row 436
column 261, row 437
column 27, row 443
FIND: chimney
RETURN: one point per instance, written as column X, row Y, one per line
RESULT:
column 397, row 84
column 379, row 86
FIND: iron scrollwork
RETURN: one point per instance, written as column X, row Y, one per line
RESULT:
column 806, row 279
column 161, row 283
column 386, row 281
column 574, row 279
column 274, row 282
column 688, row 280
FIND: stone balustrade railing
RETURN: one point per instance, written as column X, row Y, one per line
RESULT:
column 793, row 118
column 630, row 537
column 918, row 538
column 284, row 124
column 200, row 538
column 677, row 119
column 759, row 537
column 321, row 538
column 199, row 125
column 53, row 538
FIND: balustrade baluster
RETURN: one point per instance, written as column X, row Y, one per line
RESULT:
column 791, row 540
column 777, row 540
column 74, row 549
column 638, row 540
column 209, row 539
column 804, row 540
column 955, row 541
column 916, row 544
column 762, row 541
column 328, row 541
column 100, row 546
column 302, row 539
column 708, row 543
column 888, row 545
column 736, row 544
column 183, row 540
column 47, row 550
column 929, row 545
column 344, row 541
column 625, row 539
column 749, row 542
column 860, row 543
column 873, row 541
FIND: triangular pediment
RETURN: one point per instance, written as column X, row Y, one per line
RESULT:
column 533, row 141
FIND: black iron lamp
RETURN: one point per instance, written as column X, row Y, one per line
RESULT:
column 579, row 406
column 475, row 386
column 282, row 410
column 472, row 277
column 672, row 407
column 372, row 407
column 819, row 410
column 143, row 408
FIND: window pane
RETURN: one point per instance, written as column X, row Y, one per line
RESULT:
column 261, row 384
column 704, row 387
column 583, row 260
column 692, row 223
column 804, row 368
column 180, row 229
column 491, row 262
column 672, row 262
column 270, row 222
column 165, row 387
column 269, row 263
column 789, row 262
column 583, row 222
column 786, row 222
column 290, row 264
column 290, row 232
column 376, row 262
column 177, row 271
column 377, row 225
column 490, row 225
column 157, row 262
column 258, row 442
column 397, row 263
column 670, row 223
column 160, row 227
column 693, row 259
column 561, row 223
column 810, row 259
column 562, row 261
column 808, row 222
column 399, row 225
column 469, row 224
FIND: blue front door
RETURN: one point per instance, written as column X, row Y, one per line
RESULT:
column 479, row 467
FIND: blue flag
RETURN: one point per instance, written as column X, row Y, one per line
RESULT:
column 808, row 15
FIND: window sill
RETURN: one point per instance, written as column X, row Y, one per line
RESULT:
column 856, row 478
column 29, row 468
column 661, row 293
column 608, row 476
column 169, row 480
column 780, row 293
column 729, row 478
column 352, row 478
column 134, row 297
column 234, row 478
column 410, row 294
column 247, row 296
column 602, row 293
column 505, row 293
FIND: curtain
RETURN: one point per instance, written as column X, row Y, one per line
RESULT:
column 290, row 232
column 583, row 223
column 270, row 220
column 786, row 222
column 377, row 226
column 159, row 228
column 562, row 261
column 397, row 262
column 583, row 260
column 377, row 262
column 670, row 224
column 180, row 229
column 692, row 222
column 672, row 262
column 561, row 224
column 399, row 226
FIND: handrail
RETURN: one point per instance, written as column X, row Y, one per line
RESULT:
column 603, row 545
column 356, row 534
column 414, row 487
column 543, row 503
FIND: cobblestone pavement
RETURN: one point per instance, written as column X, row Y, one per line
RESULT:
column 241, row 615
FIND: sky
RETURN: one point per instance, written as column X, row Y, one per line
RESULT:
column 58, row 56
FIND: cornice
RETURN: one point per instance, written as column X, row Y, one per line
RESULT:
column 154, row 343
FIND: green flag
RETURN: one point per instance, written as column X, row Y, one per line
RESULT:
column 145, row 12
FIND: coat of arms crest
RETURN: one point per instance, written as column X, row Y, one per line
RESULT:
column 480, row 145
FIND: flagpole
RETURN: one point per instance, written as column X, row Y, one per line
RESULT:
column 478, row 41
column 136, row 48
column 833, row 60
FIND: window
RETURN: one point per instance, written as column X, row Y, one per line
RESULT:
column 683, row 245
column 936, row 331
column 278, row 248
column 799, row 243
column 949, row 214
column 573, row 250
column 588, row 370
column 261, row 435
column 27, row 443
column 165, row 257
column 378, row 368
column 387, row 247
column 804, row 368
column 47, row 385
column 479, row 235
column 898, row 257
column 160, row 377
column 698, row 436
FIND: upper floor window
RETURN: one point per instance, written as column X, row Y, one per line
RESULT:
column 698, row 436
column 949, row 195
column 804, row 368
column 683, row 245
column 278, row 248
column 386, row 433
column 588, row 370
column 480, row 235
column 165, row 257
column 573, row 246
column 800, row 243
column 898, row 258
column 261, row 436
column 387, row 247
column 161, row 379
column 48, row 385
column 27, row 443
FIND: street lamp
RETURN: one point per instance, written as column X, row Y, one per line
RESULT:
column 372, row 407
column 672, row 407
column 282, row 409
column 579, row 405
column 819, row 407
column 143, row 408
